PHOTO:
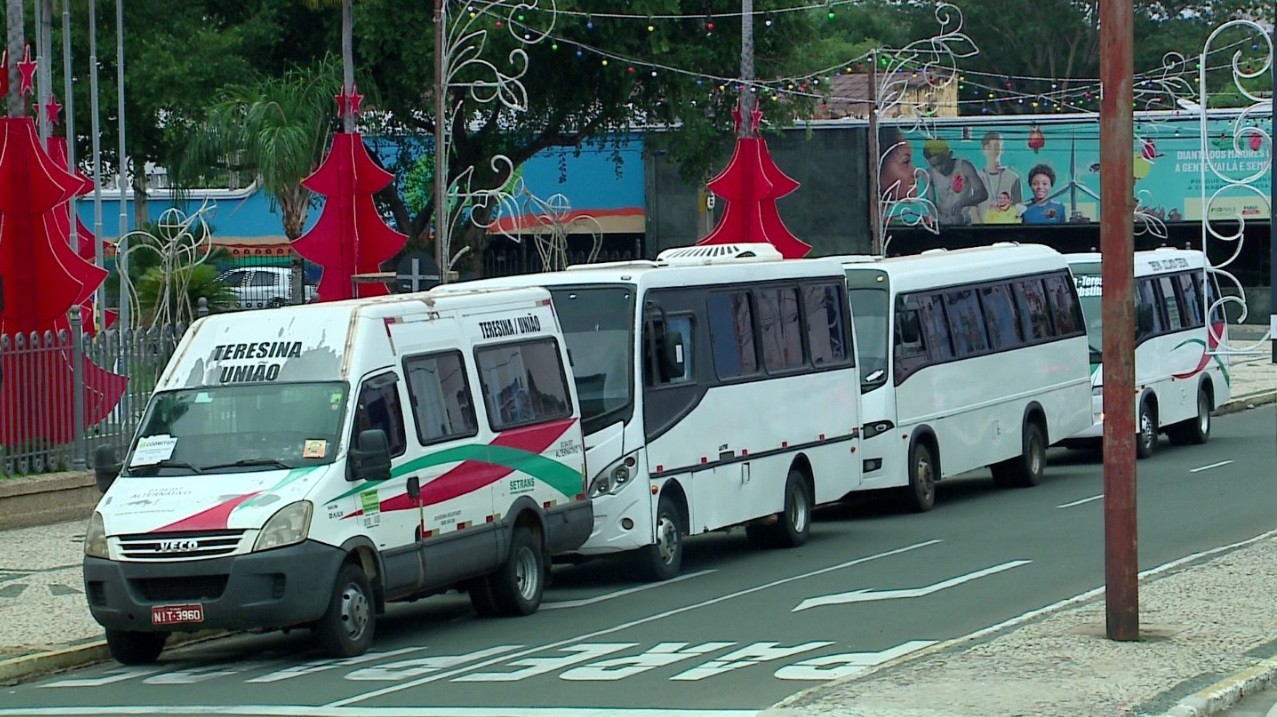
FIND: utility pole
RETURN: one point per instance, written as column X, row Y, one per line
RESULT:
column 1272, row 208
column 1117, row 308
column 44, row 73
column 17, row 42
column 875, row 160
column 121, row 246
column 99, row 303
column 68, row 97
column 747, row 99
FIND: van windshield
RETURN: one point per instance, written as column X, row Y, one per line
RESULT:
column 239, row 428
column 598, row 325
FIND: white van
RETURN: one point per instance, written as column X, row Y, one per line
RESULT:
column 306, row 466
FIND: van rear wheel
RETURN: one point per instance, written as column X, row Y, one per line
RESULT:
column 518, row 585
column 135, row 648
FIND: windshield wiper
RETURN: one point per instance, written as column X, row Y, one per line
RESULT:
column 248, row 462
column 166, row 463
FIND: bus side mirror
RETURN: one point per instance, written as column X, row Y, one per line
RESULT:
column 369, row 459
column 105, row 467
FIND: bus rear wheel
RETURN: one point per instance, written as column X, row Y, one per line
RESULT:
column 1026, row 469
column 793, row 525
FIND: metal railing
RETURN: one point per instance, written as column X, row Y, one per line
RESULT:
column 63, row 394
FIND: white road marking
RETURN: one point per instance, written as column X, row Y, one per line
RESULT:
column 872, row 595
column 623, row 626
column 309, row 711
column 1206, row 468
column 1080, row 502
column 628, row 591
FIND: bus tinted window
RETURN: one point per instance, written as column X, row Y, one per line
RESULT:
column 999, row 313
column 1174, row 313
column 731, row 334
column 1065, row 312
column 965, row 323
column 935, row 328
column 1190, row 286
column 825, row 331
column 780, row 328
column 1034, row 317
column 1148, row 319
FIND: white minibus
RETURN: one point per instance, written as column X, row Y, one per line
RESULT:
column 307, row 465
column 968, row 358
column 1179, row 378
column 718, row 388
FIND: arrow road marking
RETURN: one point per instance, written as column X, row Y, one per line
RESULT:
column 872, row 595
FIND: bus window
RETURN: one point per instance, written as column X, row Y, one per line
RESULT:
column 999, row 313
column 1148, row 319
column 1190, row 288
column 1064, row 307
column 1035, row 320
column 965, row 323
column 825, row 331
column 667, row 351
column 780, row 329
column 936, row 328
column 731, row 334
column 1174, row 312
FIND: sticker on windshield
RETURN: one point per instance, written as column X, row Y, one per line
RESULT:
column 315, row 448
column 203, row 397
column 153, row 449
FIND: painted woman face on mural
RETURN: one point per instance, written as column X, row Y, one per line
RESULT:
column 896, row 179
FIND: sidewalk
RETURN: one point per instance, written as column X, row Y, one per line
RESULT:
column 1208, row 626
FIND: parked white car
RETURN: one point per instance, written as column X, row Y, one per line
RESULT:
column 265, row 286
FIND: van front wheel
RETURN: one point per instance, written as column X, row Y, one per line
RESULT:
column 346, row 629
column 135, row 648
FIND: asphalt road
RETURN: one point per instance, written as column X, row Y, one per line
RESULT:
column 740, row 629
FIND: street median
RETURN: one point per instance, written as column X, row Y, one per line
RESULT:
column 46, row 499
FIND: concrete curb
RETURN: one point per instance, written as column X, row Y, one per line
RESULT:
column 1226, row 693
column 26, row 667
column 1246, row 402
column 47, row 499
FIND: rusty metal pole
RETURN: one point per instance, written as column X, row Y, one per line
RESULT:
column 1121, row 555
column 875, row 160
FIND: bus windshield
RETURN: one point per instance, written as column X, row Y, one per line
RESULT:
column 1087, row 278
column 869, row 315
column 239, row 428
column 598, row 325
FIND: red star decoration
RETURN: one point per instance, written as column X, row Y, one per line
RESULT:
column 348, row 102
column 26, row 68
column 52, row 109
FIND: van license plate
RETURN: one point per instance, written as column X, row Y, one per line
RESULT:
column 177, row 614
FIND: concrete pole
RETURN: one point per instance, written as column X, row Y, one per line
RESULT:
column 875, row 161
column 68, row 99
column 1117, row 308
column 16, row 42
column 99, row 254
column 121, row 248
column 44, row 68
column 441, row 151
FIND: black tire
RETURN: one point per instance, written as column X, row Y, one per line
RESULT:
column 135, row 648
column 924, row 471
column 1196, row 430
column 481, row 598
column 758, row 535
column 347, row 627
column 794, row 525
column 517, row 586
column 1145, row 430
column 663, row 559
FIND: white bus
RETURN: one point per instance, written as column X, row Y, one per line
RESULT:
column 968, row 358
column 1179, row 378
column 718, row 388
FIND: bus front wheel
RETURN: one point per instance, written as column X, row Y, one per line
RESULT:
column 1146, row 430
column 920, row 495
column 664, row 558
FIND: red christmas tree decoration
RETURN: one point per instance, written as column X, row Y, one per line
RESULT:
column 44, row 278
column 350, row 236
column 751, row 183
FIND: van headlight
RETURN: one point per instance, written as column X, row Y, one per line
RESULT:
column 616, row 477
column 289, row 525
column 95, row 538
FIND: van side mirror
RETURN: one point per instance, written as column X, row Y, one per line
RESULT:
column 414, row 489
column 369, row 458
column 106, row 467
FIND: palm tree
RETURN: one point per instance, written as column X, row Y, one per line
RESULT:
column 277, row 129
